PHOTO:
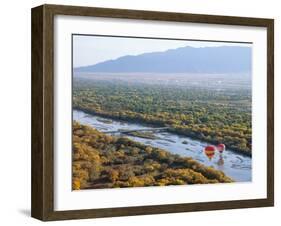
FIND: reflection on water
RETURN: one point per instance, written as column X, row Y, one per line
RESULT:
column 234, row 165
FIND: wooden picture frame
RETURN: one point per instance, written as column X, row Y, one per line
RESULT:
column 43, row 111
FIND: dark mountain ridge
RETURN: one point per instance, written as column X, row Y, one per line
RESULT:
column 223, row 59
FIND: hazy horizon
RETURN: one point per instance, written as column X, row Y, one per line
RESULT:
column 91, row 50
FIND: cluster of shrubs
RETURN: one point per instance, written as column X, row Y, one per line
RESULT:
column 102, row 161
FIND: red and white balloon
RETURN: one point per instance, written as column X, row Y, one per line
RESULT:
column 221, row 148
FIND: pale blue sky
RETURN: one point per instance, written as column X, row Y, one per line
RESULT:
column 89, row 50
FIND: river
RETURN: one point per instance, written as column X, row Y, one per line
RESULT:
column 234, row 165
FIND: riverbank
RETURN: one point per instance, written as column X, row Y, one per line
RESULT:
column 102, row 161
column 175, row 130
column 235, row 165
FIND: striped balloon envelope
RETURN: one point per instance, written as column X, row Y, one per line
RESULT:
column 210, row 151
column 221, row 148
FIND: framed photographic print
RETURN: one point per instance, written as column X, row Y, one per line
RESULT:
column 141, row 112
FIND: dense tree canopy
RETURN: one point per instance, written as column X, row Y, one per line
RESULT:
column 102, row 161
column 212, row 115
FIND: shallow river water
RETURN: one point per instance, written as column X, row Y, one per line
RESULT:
column 234, row 165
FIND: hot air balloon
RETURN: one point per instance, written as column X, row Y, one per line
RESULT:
column 221, row 148
column 210, row 151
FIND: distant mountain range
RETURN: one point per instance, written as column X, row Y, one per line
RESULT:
column 224, row 59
